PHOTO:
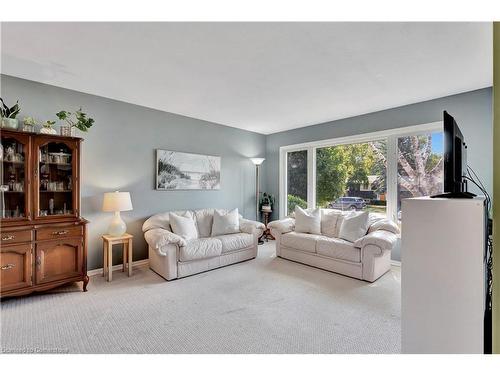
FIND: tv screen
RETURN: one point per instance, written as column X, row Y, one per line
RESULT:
column 455, row 160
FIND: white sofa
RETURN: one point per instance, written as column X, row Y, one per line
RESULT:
column 368, row 258
column 172, row 257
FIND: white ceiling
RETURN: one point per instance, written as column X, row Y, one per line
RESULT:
column 264, row 77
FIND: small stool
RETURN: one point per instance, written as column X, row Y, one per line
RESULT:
column 107, row 250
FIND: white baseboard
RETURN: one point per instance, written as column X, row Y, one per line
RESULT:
column 145, row 262
column 118, row 267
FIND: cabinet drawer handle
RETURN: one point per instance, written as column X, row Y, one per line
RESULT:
column 8, row 238
column 8, row 266
column 60, row 233
column 38, row 261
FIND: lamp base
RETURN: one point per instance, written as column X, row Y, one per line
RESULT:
column 117, row 226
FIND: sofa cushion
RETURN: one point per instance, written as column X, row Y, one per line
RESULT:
column 161, row 220
column 204, row 220
column 354, row 226
column 183, row 225
column 384, row 224
column 338, row 249
column 158, row 221
column 339, row 224
column 329, row 222
column 226, row 222
column 200, row 248
column 307, row 222
column 236, row 241
column 300, row 241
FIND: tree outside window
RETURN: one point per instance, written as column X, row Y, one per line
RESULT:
column 360, row 171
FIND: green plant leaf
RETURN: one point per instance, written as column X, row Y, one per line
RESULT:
column 14, row 111
column 4, row 108
column 49, row 123
column 7, row 112
column 63, row 115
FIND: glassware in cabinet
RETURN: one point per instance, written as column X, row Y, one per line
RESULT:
column 55, row 182
column 14, row 150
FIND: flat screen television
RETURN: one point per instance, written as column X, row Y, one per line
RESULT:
column 455, row 160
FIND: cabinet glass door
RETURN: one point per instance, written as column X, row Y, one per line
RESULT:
column 55, row 179
column 14, row 177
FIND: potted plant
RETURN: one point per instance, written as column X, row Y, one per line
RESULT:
column 48, row 127
column 266, row 202
column 78, row 120
column 8, row 115
column 29, row 124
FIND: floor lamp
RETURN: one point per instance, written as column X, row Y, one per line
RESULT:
column 257, row 162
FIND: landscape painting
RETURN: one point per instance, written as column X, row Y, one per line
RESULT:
column 184, row 171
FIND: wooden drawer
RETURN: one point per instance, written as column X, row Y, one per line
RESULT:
column 58, row 232
column 15, row 236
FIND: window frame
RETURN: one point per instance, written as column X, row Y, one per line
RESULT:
column 390, row 136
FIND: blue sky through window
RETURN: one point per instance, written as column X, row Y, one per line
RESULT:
column 437, row 143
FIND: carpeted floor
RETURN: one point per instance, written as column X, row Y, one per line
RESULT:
column 266, row 305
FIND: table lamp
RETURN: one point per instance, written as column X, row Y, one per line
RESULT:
column 115, row 202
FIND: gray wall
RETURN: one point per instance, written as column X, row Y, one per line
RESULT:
column 472, row 111
column 119, row 153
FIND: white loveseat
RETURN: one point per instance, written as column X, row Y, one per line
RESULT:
column 367, row 258
column 172, row 257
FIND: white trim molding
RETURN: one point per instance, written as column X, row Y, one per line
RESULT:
column 118, row 267
column 390, row 136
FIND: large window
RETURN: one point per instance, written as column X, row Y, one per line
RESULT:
column 296, row 180
column 372, row 172
column 352, row 177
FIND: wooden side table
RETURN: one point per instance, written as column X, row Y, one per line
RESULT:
column 267, row 232
column 107, row 250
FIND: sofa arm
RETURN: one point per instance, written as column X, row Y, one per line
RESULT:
column 384, row 224
column 159, row 238
column 279, row 227
column 381, row 238
column 375, row 262
column 252, row 227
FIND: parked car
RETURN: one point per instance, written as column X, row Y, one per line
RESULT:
column 348, row 203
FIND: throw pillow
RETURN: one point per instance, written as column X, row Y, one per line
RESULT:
column 204, row 221
column 307, row 222
column 329, row 222
column 354, row 226
column 183, row 225
column 339, row 223
column 226, row 223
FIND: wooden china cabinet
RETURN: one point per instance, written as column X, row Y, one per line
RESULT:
column 43, row 237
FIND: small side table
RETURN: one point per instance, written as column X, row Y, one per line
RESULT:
column 107, row 250
column 266, row 215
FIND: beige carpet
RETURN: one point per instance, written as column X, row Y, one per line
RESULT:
column 266, row 305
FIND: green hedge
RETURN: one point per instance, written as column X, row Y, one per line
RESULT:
column 376, row 202
column 293, row 201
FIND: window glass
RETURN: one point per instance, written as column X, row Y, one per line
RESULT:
column 420, row 166
column 352, row 177
column 296, row 180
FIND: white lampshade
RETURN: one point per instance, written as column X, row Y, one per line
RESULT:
column 117, row 201
column 257, row 161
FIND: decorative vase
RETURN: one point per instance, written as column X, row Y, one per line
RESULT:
column 67, row 130
column 10, row 123
column 47, row 130
column 266, row 208
column 29, row 128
